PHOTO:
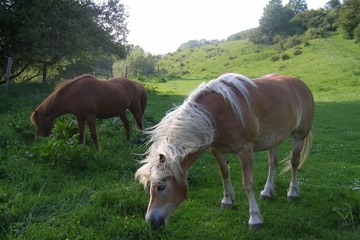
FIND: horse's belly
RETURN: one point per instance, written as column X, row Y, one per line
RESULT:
column 269, row 141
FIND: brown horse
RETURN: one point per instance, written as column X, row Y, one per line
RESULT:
column 231, row 114
column 89, row 98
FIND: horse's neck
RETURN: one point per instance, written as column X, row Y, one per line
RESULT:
column 191, row 158
column 56, row 110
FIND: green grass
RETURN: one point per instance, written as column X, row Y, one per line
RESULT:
column 57, row 189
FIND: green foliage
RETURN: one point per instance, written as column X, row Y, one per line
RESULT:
column 197, row 43
column 349, row 18
column 275, row 20
column 47, row 193
column 141, row 78
column 297, row 51
column 240, row 35
column 314, row 33
column 348, row 214
column 275, row 58
column 285, row 56
column 62, row 148
column 357, row 34
column 43, row 33
column 138, row 63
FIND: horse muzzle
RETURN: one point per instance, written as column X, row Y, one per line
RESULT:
column 156, row 219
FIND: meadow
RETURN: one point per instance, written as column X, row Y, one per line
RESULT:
column 58, row 189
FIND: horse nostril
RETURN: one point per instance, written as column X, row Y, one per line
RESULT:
column 157, row 222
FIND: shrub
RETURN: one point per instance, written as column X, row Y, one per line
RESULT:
column 275, row 58
column 285, row 56
column 314, row 33
column 357, row 34
column 141, row 78
column 292, row 42
column 348, row 214
column 297, row 51
column 160, row 79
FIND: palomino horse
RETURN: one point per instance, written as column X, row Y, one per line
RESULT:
column 89, row 98
column 231, row 114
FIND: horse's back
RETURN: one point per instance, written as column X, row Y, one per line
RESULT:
column 285, row 91
column 278, row 106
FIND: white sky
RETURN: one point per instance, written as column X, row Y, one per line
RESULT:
column 161, row 26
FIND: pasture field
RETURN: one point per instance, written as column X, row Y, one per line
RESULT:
column 58, row 189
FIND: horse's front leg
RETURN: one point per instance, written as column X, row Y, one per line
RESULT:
column 269, row 189
column 81, row 129
column 246, row 158
column 126, row 123
column 92, row 126
column 222, row 159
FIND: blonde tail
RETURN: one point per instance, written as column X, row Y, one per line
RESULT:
column 303, row 154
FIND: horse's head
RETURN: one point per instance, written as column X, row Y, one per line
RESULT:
column 167, row 192
column 43, row 124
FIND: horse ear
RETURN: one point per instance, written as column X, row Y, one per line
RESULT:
column 161, row 158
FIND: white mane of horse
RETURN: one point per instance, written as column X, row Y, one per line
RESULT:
column 187, row 128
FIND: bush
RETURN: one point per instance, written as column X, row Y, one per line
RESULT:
column 275, row 58
column 314, row 33
column 292, row 42
column 297, row 51
column 141, row 78
column 357, row 34
column 348, row 214
column 285, row 56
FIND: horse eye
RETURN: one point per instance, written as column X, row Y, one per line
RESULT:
column 161, row 187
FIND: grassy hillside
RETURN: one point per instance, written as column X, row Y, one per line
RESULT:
column 58, row 189
column 326, row 64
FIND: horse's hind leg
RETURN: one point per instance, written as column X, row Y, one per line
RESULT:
column 269, row 189
column 138, row 118
column 92, row 126
column 125, row 121
column 297, row 145
column 222, row 159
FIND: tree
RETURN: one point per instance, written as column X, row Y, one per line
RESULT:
column 138, row 62
column 43, row 33
column 333, row 4
column 297, row 6
column 310, row 19
column 275, row 21
column 349, row 18
column 196, row 43
column 240, row 35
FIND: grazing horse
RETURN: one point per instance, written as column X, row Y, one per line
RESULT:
column 89, row 98
column 230, row 114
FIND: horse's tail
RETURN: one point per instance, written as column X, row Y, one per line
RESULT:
column 143, row 100
column 303, row 154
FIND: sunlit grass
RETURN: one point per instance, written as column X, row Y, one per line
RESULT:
column 44, row 196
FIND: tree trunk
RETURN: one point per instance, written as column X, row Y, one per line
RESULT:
column 8, row 72
column 44, row 72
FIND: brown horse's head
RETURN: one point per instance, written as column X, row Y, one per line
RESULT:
column 167, row 192
column 43, row 124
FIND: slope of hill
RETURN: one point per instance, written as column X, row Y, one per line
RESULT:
column 320, row 59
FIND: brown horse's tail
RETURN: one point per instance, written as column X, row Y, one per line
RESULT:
column 143, row 101
column 303, row 154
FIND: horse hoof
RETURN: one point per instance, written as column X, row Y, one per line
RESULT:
column 264, row 197
column 225, row 205
column 255, row 227
column 292, row 198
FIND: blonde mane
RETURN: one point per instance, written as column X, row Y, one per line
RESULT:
column 187, row 128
